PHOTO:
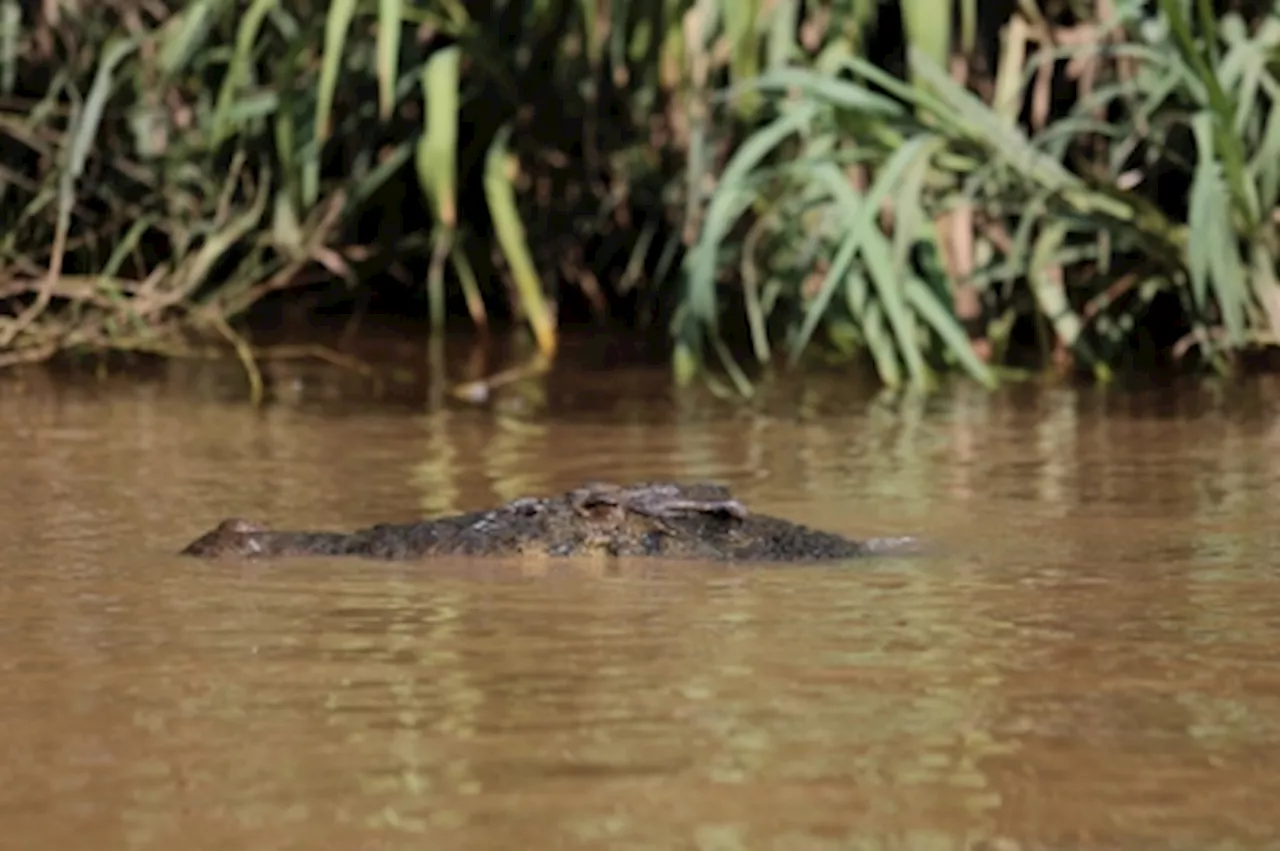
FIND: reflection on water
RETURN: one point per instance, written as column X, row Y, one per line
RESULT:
column 1088, row 660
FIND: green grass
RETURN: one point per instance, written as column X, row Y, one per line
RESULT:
column 753, row 172
column 856, row 173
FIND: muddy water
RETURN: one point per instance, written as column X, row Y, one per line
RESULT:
column 1088, row 659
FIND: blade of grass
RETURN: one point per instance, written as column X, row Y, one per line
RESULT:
column 336, row 24
column 499, row 191
column 183, row 35
column 238, row 68
column 10, row 30
column 887, row 281
column 880, row 346
column 927, row 25
column 437, row 153
column 730, row 198
column 84, row 130
column 860, row 216
column 927, row 306
column 388, row 49
column 1219, row 102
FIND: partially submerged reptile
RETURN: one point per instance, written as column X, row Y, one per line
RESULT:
column 695, row 521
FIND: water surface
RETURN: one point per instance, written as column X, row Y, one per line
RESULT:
column 1087, row 659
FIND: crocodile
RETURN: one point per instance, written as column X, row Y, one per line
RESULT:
column 701, row 521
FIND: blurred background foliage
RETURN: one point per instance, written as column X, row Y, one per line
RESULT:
column 919, row 186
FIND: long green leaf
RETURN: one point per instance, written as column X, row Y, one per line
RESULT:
column 500, row 193
column 888, row 283
column 239, row 67
column 1219, row 102
column 927, row 25
column 943, row 322
column 437, row 153
column 336, row 25
column 85, row 128
column 860, row 218
column 729, row 200
column 388, row 47
column 185, row 33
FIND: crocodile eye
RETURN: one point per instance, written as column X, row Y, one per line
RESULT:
column 526, row 505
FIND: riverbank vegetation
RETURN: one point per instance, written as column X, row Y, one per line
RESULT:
column 1043, row 182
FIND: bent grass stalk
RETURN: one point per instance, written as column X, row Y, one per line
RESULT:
column 500, row 192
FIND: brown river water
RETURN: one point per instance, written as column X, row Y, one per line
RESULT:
column 1087, row 657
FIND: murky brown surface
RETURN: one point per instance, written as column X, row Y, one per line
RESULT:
column 1090, row 659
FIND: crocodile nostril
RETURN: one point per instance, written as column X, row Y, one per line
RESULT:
column 652, row 543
